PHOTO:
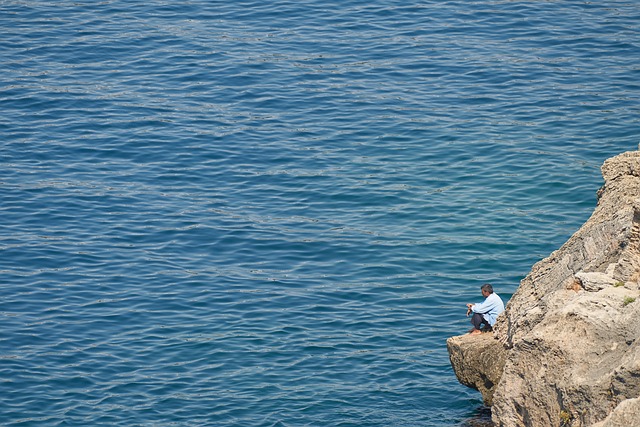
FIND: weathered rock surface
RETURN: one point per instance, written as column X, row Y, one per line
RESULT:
column 570, row 335
column 624, row 415
column 479, row 361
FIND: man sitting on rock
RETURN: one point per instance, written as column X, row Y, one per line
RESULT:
column 486, row 312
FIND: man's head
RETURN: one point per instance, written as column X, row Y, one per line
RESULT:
column 487, row 289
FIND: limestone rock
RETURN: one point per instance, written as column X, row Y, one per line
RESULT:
column 594, row 281
column 571, row 332
column 477, row 361
column 624, row 415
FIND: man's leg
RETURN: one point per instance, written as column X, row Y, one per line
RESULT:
column 477, row 320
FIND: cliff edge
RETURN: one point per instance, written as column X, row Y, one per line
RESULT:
column 566, row 351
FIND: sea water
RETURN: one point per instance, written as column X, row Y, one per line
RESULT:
column 249, row 213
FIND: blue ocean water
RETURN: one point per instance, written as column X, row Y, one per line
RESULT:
column 272, row 213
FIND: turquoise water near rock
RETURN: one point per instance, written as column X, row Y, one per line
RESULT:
column 272, row 213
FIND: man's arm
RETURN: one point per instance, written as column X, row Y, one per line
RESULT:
column 484, row 307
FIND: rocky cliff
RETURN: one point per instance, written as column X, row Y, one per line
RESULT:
column 566, row 352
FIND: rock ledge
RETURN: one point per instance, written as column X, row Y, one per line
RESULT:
column 478, row 362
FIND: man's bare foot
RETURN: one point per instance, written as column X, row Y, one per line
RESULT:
column 475, row 332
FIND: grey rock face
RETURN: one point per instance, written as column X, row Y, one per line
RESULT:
column 571, row 332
